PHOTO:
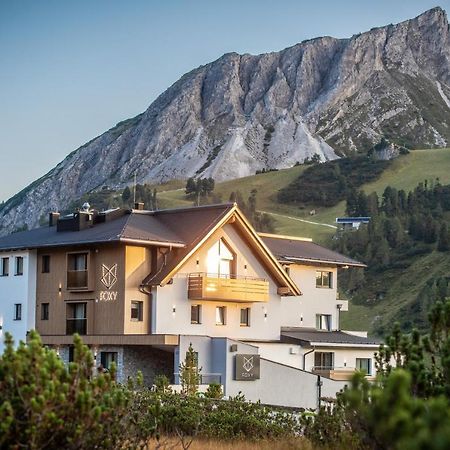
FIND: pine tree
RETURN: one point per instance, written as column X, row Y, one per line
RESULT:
column 443, row 242
column 190, row 373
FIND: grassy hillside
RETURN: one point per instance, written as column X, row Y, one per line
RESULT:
column 404, row 173
column 399, row 286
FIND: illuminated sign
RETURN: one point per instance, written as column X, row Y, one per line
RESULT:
column 109, row 279
column 247, row 367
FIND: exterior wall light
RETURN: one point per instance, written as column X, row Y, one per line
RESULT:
column 174, row 309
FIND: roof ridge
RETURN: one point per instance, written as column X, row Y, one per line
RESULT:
column 184, row 208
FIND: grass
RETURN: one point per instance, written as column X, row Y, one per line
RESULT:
column 404, row 173
column 203, row 444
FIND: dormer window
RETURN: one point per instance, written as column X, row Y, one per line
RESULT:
column 221, row 260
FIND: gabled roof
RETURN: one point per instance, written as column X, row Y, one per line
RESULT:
column 312, row 337
column 133, row 226
column 291, row 249
column 196, row 225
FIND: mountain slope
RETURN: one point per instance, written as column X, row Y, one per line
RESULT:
column 242, row 113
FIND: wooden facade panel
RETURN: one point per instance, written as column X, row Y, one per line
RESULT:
column 105, row 302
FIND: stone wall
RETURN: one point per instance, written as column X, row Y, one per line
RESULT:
column 150, row 361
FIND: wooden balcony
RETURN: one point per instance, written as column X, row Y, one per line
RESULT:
column 206, row 286
column 335, row 373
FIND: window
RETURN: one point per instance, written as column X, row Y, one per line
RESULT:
column 71, row 353
column 44, row 311
column 220, row 315
column 365, row 365
column 18, row 311
column 4, row 267
column 196, row 314
column 323, row 279
column 19, row 265
column 136, row 311
column 245, row 317
column 220, row 260
column 76, row 321
column 323, row 360
column 107, row 358
column 45, row 263
column 323, row 322
column 77, row 275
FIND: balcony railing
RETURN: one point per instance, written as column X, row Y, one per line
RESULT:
column 204, row 378
column 335, row 373
column 207, row 286
column 77, row 279
column 76, row 326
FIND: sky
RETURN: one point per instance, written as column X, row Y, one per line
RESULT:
column 70, row 70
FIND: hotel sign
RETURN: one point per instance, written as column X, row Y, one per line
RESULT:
column 247, row 367
column 108, row 279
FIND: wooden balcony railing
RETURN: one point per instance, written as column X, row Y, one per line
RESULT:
column 206, row 286
column 77, row 279
column 335, row 373
column 76, row 326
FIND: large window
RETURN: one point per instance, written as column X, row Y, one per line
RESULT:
column 77, row 265
column 365, row 365
column 323, row 322
column 76, row 318
column 324, row 360
column 220, row 260
column 4, row 269
column 107, row 358
column 18, row 311
column 19, row 265
column 45, row 263
column 196, row 312
column 324, row 279
column 245, row 317
column 45, row 311
column 221, row 315
column 137, row 311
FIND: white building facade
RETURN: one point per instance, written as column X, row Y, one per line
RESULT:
column 18, row 294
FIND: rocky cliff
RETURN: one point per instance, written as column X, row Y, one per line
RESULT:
column 242, row 113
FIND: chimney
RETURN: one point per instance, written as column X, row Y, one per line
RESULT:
column 53, row 219
column 139, row 206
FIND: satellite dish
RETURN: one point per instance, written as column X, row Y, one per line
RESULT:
column 86, row 207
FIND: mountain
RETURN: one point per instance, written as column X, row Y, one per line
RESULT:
column 243, row 113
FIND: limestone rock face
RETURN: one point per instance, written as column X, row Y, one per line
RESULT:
column 243, row 113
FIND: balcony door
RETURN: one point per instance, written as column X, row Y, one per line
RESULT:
column 76, row 318
column 323, row 360
column 77, row 271
column 221, row 260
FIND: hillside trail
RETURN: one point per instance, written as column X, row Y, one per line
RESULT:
column 300, row 220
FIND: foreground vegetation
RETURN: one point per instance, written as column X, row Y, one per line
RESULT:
column 44, row 405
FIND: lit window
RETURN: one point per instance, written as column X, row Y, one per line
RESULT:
column 323, row 279
column 220, row 260
column 364, row 365
column 245, row 317
column 196, row 314
column 136, row 311
column 323, row 322
column 19, row 265
column 18, row 311
column 220, row 315
column 4, row 272
column 44, row 311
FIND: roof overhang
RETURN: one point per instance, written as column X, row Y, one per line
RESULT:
column 235, row 216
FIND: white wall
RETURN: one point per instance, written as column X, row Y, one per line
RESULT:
column 301, row 311
column 18, row 289
column 292, row 355
column 278, row 384
column 175, row 295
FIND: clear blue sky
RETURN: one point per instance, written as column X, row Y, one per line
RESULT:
column 69, row 70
